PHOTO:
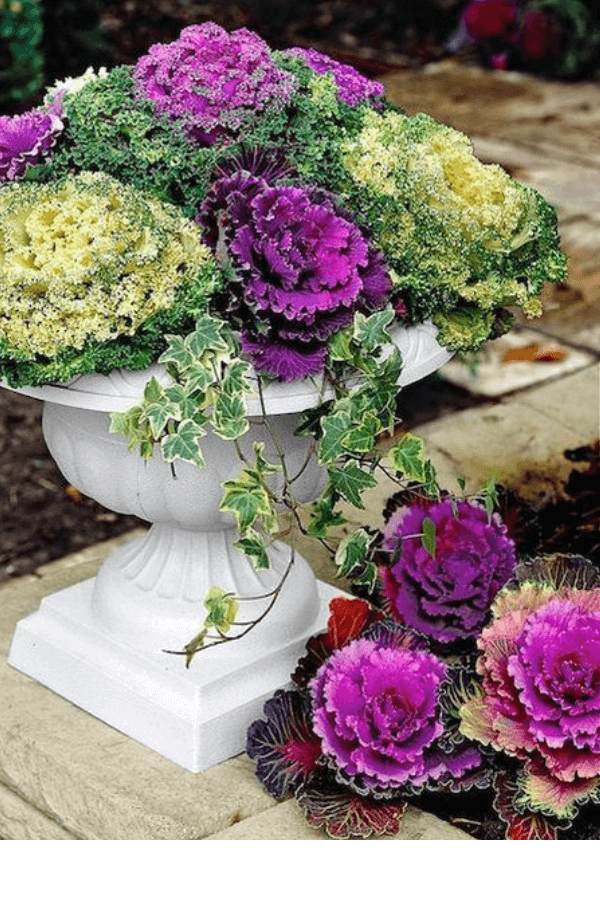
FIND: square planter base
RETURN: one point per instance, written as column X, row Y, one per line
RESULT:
column 195, row 717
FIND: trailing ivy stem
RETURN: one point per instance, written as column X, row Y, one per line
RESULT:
column 273, row 437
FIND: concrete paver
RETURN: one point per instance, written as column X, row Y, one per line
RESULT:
column 286, row 822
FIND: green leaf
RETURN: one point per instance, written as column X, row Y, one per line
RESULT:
column 340, row 346
column 408, row 458
column 157, row 414
column 462, row 483
column 323, row 517
column 428, row 537
column 430, row 483
column 335, row 428
column 371, row 332
column 253, row 546
column 193, row 646
column 247, row 501
column 352, row 552
column 177, row 357
column 206, row 336
column 223, row 607
column 263, row 466
column 367, row 578
column 229, row 417
column 350, row 482
column 363, row 437
column 153, row 390
column 199, row 378
column 236, row 382
column 184, row 444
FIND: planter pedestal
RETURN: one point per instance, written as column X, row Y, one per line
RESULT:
column 101, row 644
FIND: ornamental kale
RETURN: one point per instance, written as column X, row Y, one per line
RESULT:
column 369, row 730
column 445, row 590
column 27, row 140
column 300, row 266
column 538, row 699
column 89, row 259
column 212, row 81
column 352, row 87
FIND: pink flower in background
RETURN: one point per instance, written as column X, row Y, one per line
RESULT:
column 28, row 140
column 540, row 38
column 488, row 19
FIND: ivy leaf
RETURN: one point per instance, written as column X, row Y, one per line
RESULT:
column 206, row 336
column 177, row 357
column 408, row 458
column 340, row 346
column 335, row 428
column 350, row 482
column 362, row 439
column 229, row 417
column 235, row 381
column 428, row 537
column 193, row 646
column 490, row 496
column 184, row 444
column 157, row 414
column 352, row 552
column 323, row 517
column 430, row 483
column 367, row 579
column 199, row 378
column 247, row 501
column 370, row 332
column 253, row 546
column 223, row 607
column 153, row 390
column 263, row 466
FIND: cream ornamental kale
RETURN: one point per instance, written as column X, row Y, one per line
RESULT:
column 87, row 260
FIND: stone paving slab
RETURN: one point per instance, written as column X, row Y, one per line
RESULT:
column 495, row 377
column 286, row 822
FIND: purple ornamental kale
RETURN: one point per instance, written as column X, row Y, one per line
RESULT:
column 301, row 266
column 211, row 80
column 376, row 709
column 28, row 140
column 353, row 88
column 446, row 595
column 539, row 699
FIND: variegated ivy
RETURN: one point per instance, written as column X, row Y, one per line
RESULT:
column 210, row 385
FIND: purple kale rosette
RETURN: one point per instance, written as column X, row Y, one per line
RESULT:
column 352, row 87
column 300, row 266
column 539, row 697
column 377, row 710
column 28, row 140
column 446, row 594
column 211, row 80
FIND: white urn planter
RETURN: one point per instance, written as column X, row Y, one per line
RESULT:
column 100, row 644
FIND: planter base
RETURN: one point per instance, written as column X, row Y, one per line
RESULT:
column 195, row 717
